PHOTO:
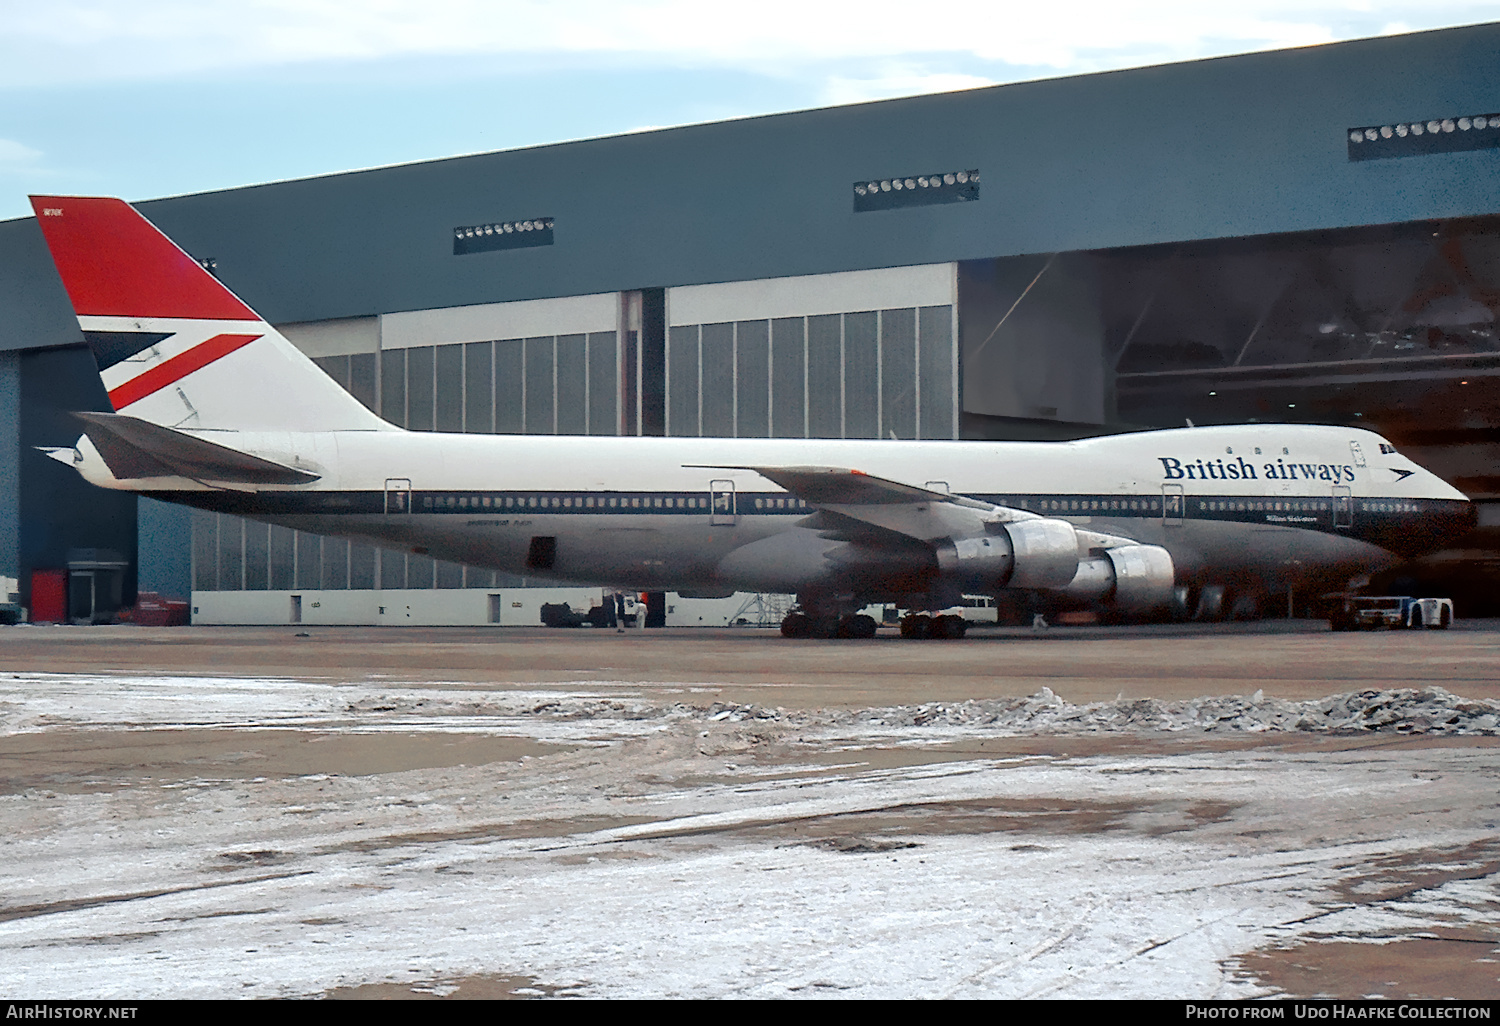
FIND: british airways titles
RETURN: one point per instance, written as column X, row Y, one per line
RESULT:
column 1243, row 470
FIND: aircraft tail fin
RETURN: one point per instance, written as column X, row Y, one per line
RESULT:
column 174, row 346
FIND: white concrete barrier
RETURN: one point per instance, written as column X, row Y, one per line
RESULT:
column 458, row 607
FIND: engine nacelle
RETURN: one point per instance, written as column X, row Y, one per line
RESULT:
column 1135, row 579
column 1046, row 553
column 1144, row 577
column 1041, row 553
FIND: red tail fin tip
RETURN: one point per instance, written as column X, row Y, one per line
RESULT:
column 115, row 263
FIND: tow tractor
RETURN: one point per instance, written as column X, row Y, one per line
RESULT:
column 1369, row 612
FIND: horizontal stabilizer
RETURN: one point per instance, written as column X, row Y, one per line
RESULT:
column 134, row 448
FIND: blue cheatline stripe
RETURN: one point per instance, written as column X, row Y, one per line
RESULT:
column 1392, row 523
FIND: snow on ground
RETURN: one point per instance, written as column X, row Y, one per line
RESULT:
column 668, row 850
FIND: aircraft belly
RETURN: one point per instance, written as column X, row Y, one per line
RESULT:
column 1264, row 556
column 639, row 551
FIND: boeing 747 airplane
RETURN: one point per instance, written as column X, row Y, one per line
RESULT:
column 214, row 408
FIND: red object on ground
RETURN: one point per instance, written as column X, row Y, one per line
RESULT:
column 49, row 596
column 151, row 610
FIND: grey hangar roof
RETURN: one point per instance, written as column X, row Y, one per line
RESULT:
column 1236, row 146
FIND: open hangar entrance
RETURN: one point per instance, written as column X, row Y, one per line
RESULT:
column 1394, row 328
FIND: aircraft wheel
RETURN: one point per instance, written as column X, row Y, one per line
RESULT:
column 949, row 627
column 916, row 626
column 796, row 625
column 858, row 626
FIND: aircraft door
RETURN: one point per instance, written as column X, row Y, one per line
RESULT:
column 1173, row 505
column 1343, row 507
column 721, row 506
column 398, row 495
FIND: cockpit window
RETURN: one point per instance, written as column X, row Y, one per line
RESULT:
column 1386, row 449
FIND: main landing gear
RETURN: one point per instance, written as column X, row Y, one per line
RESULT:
column 803, row 625
column 947, row 627
column 799, row 624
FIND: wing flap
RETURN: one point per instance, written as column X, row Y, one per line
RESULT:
column 904, row 509
column 134, row 448
column 842, row 486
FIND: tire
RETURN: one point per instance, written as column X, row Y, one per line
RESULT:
column 1416, row 618
column 859, row 626
column 917, row 627
column 949, row 627
column 796, row 625
column 1445, row 619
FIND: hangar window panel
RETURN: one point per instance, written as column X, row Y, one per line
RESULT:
column 309, row 573
column 336, row 564
column 510, row 386
column 1454, row 134
column 336, row 367
column 392, row 569
column 541, row 386
column 205, row 551
column 478, row 577
column 718, row 380
column 898, row 373
column 449, row 401
column 361, row 566
column 825, row 363
column 682, row 381
column 450, row 575
column 420, row 571
column 604, row 383
column 572, row 384
column 525, row 233
column 861, row 375
column 419, row 388
column 919, row 190
column 362, row 379
column 283, row 558
column 935, row 371
column 788, row 378
column 479, row 387
column 752, row 379
column 231, row 553
column 257, row 556
column 393, row 386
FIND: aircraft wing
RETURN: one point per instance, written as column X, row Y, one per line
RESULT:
column 135, row 448
column 919, row 513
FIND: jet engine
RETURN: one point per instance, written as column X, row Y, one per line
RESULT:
column 1135, row 579
column 1039, row 553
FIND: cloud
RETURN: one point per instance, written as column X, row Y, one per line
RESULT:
column 14, row 154
column 71, row 41
column 840, row 89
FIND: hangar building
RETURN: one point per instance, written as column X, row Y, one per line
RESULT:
column 1305, row 235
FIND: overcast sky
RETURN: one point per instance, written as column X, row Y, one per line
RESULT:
column 145, row 98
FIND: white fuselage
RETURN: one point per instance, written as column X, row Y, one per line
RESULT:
column 1259, row 504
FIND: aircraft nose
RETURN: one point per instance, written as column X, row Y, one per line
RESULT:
column 1454, row 525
